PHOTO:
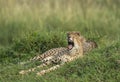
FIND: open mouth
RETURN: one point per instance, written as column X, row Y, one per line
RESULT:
column 70, row 44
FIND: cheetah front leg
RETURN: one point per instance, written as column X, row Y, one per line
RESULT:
column 48, row 70
column 22, row 72
column 45, row 62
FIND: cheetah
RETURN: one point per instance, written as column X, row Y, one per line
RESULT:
column 89, row 45
column 62, row 55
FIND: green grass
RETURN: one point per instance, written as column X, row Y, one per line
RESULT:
column 98, row 65
column 29, row 27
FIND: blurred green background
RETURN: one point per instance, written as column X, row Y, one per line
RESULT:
column 21, row 17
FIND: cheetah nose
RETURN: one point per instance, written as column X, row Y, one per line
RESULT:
column 70, row 39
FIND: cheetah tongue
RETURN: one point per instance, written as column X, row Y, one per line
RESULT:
column 70, row 47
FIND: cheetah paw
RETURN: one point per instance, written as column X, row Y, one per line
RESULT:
column 41, row 73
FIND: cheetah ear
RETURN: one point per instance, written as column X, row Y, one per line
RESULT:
column 78, row 33
column 68, row 33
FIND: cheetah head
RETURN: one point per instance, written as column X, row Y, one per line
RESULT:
column 74, row 40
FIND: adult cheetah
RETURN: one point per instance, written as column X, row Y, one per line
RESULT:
column 59, row 56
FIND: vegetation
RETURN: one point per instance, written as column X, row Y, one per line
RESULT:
column 30, row 27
